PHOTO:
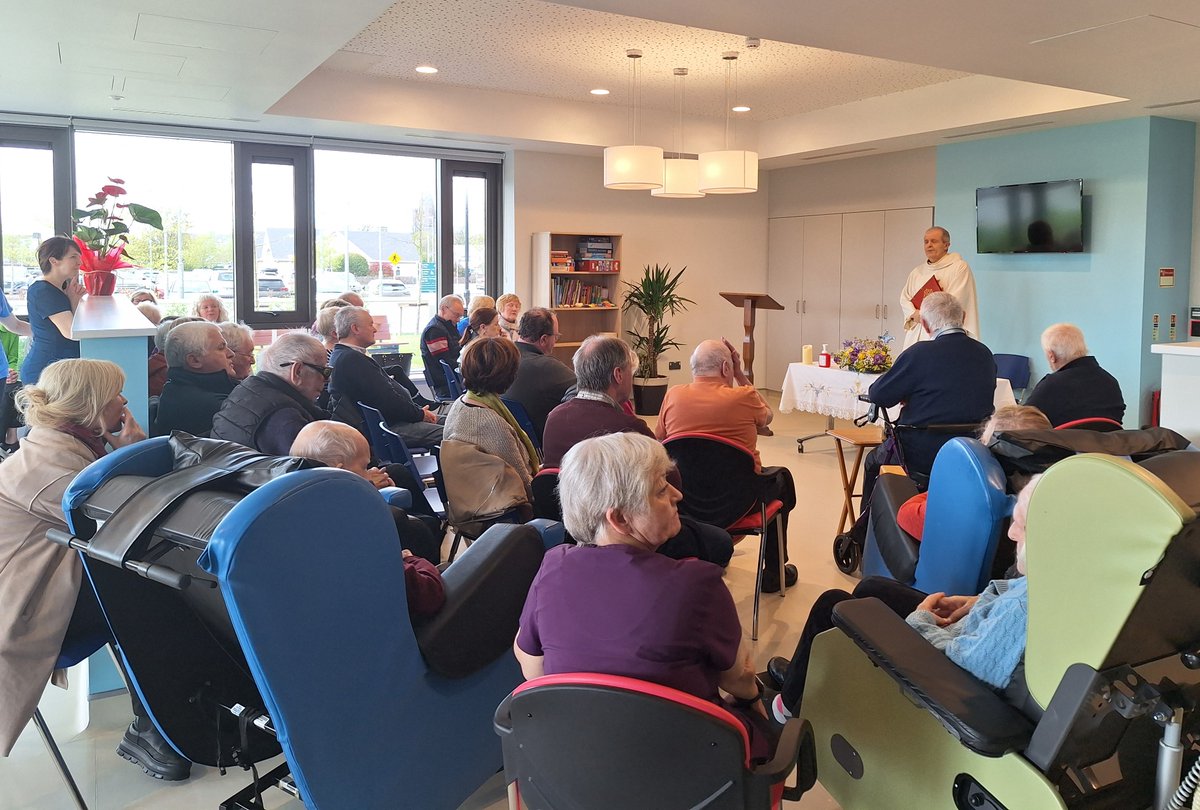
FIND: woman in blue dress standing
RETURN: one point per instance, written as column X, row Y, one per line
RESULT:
column 52, row 300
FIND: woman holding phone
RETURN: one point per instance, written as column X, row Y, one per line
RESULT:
column 52, row 300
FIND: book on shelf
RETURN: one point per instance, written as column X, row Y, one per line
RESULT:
column 569, row 292
column 598, row 265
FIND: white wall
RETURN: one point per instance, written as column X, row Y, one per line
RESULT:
column 721, row 239
column 874, row 183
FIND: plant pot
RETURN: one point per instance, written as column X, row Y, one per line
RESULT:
column 648, row 395
column 100, row 282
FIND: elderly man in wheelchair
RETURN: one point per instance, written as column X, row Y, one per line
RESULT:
column 1099, row 709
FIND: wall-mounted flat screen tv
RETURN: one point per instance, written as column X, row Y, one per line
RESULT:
column 1030, row 218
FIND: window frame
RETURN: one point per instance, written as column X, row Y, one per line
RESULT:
column 490, row 172
column 300, row 158
column 58, row 141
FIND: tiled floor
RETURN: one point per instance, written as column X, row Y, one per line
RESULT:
column 28, row 779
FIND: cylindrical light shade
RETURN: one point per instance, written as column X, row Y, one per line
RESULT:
column 681, row 179
column 728, row 171
column 633, row 168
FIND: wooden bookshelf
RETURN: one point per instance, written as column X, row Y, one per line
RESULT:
column 575, row 322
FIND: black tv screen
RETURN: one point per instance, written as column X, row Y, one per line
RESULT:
column 1030, row 218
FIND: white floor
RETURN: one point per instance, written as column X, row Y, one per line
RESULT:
column 29, row 780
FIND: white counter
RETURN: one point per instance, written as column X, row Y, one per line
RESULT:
column 109, row 327
column 109, row 316
column 1179, row 407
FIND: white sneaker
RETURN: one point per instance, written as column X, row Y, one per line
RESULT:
column 782, row 715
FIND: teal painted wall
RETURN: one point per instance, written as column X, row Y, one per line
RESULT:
column 1138, row 181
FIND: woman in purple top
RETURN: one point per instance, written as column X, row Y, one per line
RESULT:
column 612, row 605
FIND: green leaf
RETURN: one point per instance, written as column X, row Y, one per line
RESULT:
column 89, row 234
column 146, row 216
column 117, row 227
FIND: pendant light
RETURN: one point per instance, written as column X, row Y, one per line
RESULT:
column 633, row 167
column 681, row 176
column 728, row 171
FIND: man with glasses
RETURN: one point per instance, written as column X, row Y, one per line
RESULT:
column 240, row 340
column 357, row 377
column 268, row 409
column 542, row 379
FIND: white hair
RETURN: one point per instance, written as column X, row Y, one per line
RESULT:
column 598, row 357
column 941, row 310
column 186, row 339
column 617, row 471
column 345, row 320
column 329, row 442
column 236, row 334
column 1066, row 341
column 708, row 357
column 296, row 346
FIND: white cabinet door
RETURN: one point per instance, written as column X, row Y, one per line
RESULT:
column 821, row 301
column 785, row 257
column 903, row 249
column 862, row 274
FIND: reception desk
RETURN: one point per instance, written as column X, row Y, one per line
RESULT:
column 109, row 327
column 1179, row 408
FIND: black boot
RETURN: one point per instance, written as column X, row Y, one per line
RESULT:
column 144, row 746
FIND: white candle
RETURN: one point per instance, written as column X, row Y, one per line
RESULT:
column 808, row 355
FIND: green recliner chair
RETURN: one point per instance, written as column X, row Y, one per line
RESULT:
column 1113, row 557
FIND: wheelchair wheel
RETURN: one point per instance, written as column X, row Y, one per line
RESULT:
column 847, row 554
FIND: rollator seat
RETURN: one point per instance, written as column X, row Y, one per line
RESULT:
column 967, row 707
column 281, row 590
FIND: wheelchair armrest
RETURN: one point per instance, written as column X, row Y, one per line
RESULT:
column 397, row 496
column 485, row 593
column 964, row 705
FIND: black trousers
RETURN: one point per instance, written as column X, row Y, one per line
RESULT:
column 900, row 598
column 782, row 487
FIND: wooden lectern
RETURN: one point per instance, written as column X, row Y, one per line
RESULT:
column 750, row 304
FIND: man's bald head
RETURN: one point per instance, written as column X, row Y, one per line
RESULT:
column 334, row 444
column 712, row 359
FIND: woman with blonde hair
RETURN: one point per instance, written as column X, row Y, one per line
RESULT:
column 323, row 327
column 211, row 309
column 509, row 307
column 75, row 413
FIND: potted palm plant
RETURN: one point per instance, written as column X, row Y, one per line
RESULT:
column 655, row 296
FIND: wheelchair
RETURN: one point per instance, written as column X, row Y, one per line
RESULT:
column 1103, row 712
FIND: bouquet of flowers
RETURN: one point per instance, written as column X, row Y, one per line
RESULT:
column 869, row 355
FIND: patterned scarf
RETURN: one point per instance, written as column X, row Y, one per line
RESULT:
column 493, row 401
column 88, row 437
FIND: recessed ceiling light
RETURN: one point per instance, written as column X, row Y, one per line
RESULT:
column 741, row 108
column 426, row 69
column 599, row 91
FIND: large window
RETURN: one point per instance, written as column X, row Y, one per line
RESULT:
column 189, row 182
column 271, row 226
column 376, row 235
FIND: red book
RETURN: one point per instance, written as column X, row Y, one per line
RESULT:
column 928, row 287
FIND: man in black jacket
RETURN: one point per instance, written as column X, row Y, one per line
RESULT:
column 198, row 369
column 439, row 341
column 948, row 380
column 542, row 379
column 269, row 408
column 359, row 378
column 1076, row 387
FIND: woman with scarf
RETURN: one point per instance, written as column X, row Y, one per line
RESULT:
column 480, row 418
column 75, row 413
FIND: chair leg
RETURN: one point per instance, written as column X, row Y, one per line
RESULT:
column 458, row 536
column 762, row 560
column 63, row 770
column 782, row 542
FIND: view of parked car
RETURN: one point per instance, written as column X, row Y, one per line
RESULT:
column 386, row 288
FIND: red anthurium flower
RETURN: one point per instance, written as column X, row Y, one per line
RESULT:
column 112, row 191
column 118, row 181
column 98, row 199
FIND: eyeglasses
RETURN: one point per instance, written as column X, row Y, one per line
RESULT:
column 324, row 371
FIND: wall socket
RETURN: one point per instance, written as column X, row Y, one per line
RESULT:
column 674, row 365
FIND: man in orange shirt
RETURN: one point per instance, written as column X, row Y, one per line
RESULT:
column 722, row 401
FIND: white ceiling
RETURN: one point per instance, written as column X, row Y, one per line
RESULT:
column 830, row 78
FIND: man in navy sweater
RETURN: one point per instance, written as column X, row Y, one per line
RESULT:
column 950, row 379
column 359, row 378
column 1076, row 387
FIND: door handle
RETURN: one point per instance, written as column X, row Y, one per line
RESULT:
column 797, row 306
column 877, row 310
column 803, row 305
column 885, row 310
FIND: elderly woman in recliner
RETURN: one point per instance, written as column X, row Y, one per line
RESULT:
column 614, row 606
column 983, row 634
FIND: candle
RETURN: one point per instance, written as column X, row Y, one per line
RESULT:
column 808, row 356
